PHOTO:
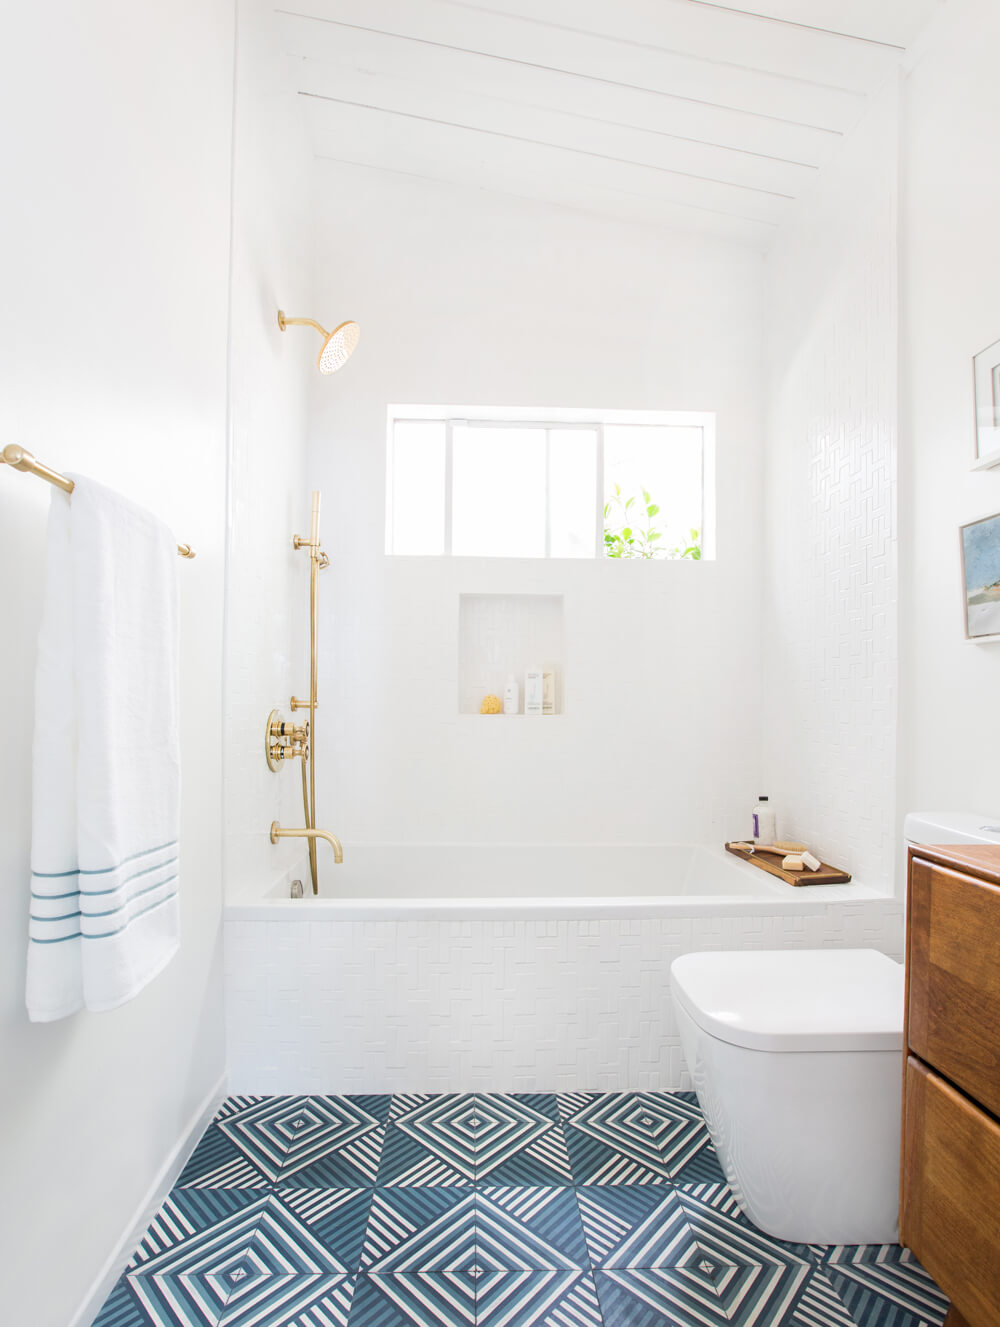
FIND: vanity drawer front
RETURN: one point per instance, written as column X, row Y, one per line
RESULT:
column 951, row 1193
column 953, row 960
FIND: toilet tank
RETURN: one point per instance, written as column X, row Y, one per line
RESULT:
column 951, row 827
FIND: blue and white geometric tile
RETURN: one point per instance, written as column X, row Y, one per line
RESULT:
column 559, row 1298
column 630, row 1137
column 286, row 1135
column 415, row 1299
column 217, row 1163
column 704, row 1293
column 420, row 1230
column 475, row 1218
column 429, row 1141
column 292, row 1301
column 519, row 1140
column 529, row 1230
column 186, row 1213
column 883, row 1285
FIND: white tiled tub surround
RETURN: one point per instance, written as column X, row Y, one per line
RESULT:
column 452, row 993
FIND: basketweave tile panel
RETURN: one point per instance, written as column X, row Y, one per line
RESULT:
column 829, row 745
column 510, row 1006
column 663, row 1252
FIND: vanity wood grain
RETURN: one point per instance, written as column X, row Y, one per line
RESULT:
column 950, row 1190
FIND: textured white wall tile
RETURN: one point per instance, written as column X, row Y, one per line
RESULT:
column 506, row 1006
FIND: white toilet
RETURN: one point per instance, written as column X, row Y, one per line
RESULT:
column 796, row 1057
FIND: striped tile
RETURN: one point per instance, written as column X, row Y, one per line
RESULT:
column 444, row 1211
column 630, row 1137
column 415, row 1299
column 563, row 1298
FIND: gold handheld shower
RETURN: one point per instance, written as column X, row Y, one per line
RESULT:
column 337, row 345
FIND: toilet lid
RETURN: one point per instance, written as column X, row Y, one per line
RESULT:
column 794, row 1000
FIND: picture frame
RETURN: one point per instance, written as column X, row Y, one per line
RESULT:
column 986, row 379
column 980, row 548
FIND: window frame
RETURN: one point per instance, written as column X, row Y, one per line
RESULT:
column 591, row 421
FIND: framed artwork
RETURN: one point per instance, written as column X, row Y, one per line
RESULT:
column 981, row 578
column 986, row 372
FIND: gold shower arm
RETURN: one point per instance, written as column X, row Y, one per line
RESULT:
column 278, row 833
column 19, row 458
column 284, row 321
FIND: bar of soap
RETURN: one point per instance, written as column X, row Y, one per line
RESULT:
column 812, row 862
column 793, row 862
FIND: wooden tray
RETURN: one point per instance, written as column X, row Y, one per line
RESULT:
column 826, row 875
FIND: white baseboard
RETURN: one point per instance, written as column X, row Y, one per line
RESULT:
column 175, row 1162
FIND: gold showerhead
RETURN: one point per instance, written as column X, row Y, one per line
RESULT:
column 337, row 345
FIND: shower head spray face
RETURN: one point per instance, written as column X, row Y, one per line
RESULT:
column 338, row 346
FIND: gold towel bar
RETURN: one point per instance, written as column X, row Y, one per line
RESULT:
column 19, row 458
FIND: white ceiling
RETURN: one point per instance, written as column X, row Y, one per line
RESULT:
column 713, row 116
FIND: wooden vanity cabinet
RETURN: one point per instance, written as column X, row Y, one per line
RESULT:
column 950, row 1179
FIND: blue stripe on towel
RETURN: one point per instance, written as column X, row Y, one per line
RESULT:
column 102, row 870
column 138, row 894
column 103, row 935
column 92, row 893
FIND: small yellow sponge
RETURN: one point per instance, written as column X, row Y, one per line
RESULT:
column 490, row 705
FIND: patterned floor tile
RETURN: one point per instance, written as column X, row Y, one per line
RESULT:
column 434, row 1211
column 429, row 1141
column 883, row 1285
column 186, row 1213
column 519, row 1140
column 565, row 1298
column 630, row 1137
column 704, row 1293
column 420, row 1230
column 529, row 1230
column 415, row 1299
column 217, row 1163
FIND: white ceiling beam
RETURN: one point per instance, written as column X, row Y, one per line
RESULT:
column 423, row 147
column 736, row 85
column 539, row 125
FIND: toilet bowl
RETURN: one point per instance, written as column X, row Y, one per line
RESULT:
column 796, row 1057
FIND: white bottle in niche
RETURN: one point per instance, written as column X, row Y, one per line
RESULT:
column 511, row 695
column 765, row 829
column 548, row 691
column 533, row 691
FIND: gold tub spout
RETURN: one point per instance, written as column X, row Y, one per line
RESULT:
column 278, row 833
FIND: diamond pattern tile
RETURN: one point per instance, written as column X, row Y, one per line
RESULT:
column 520, row 1210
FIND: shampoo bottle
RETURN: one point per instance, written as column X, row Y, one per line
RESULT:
column 548, row 691
column 764, row 823
column 511, row 695
column 533, row 691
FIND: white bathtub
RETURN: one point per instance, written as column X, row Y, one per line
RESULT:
column 504, row 968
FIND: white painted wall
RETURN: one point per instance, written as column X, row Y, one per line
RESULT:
column 267, row 581
column 472, row 297
column 830, row 584
column 115, row 129
column 949, row 722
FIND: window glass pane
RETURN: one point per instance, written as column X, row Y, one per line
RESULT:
column 666, row 462
column 572, row 492
column 417, row 477
column 498, row 492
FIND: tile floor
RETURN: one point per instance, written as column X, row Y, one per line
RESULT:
column 570, row 1210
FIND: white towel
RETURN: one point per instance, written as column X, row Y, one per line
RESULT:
column 105, row 917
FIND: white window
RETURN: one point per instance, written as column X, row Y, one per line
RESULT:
column 546, row 484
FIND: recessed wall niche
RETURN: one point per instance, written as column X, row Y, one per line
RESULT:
column 499, row 634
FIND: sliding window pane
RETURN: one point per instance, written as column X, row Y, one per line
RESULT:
column 416, row 469
column 666, row 462
column 498, row 492
column 572, row 492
